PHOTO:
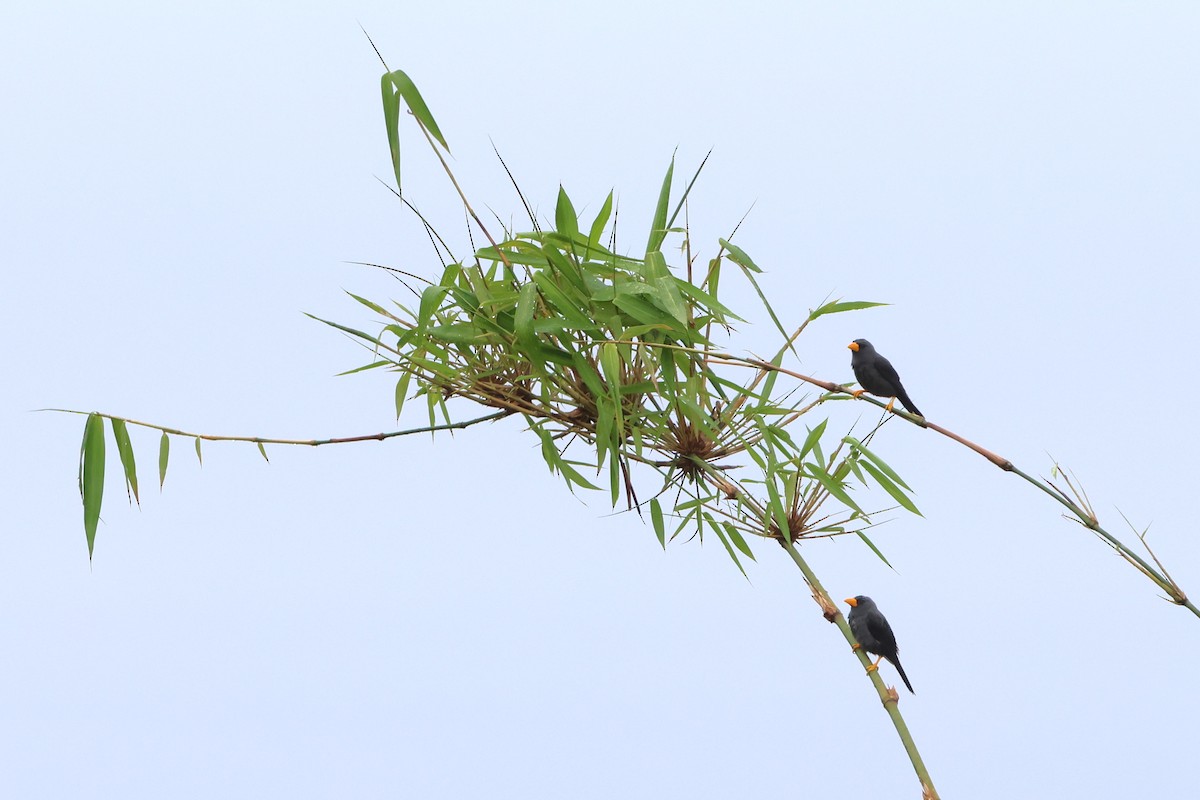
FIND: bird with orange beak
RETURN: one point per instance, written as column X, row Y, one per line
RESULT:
column 874, row 634
column 876, row 375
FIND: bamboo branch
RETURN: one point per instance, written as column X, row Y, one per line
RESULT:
column 369, row 437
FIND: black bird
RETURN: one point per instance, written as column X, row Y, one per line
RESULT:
column 871, row 629
column 876, row 375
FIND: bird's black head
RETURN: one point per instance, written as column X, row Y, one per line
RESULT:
column 861, row 346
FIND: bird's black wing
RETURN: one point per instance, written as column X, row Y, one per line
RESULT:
column 888, row 372
column 877, row 626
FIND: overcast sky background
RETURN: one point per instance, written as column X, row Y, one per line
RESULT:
column 440, row 620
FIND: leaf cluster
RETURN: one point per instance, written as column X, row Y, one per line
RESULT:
column 614, row 363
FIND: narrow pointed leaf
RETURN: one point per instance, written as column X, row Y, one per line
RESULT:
column 365, row 367
column 199, row 456
column 719, row 530
column 739, row 542
column 666, row 291
column 572, row 476
column 891, row 488
column 565, row 218
column 748, row 269
column 838, row 307
column 874, row 549
column 91, row 472
column 263, row 450
column 739, row 256
column 876, row 460
column 813, row 437
column 125, row 450
column 416, row 104
column 164, row 452
column 656, row 517
column 600, row 222
column 658, row 228
column 834, row 488
column 391, row 121
column 402, row 392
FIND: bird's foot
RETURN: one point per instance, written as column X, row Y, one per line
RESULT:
column 855, row 646
column 857, row 393
column 891, row 403
column 872, row 667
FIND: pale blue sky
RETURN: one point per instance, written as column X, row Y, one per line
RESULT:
column 442, row 620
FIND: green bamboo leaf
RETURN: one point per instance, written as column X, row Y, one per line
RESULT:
column 402, row 392
column 775, row 507
column 707, row 300
column 768, row 389
column 365, row 367
column 684, row 521
column 739, row 256
column 853, row 463
column 587, row 373
column 125, row 450
column 572, row 476
column 874, row 549
column 614, row 476
column 656, row 517
column 832, row 486
column 645, row 313
column 378, row 309
column 879, row 462
column 605, row 419
column 712, row 523
column 610, row 363
column 353, row 332
column 549, row 450
column 91, row 476
column 431, row 402
column 431, row 299
column 564, row 305
column 164, row 451
column 658, row 228
column 813, row 437
column 837, row 307
column 565, row 218
column 263, row 450
column 665, row 289
column 712, row 281
column 735, row 536
column 688, row 190
column 416, row 104
column 600, row 222
column 391, row 121
column 466, row 333
column 199, row 456
column 895, row 491
column 523, row 318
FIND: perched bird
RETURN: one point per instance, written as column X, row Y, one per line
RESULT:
column 871, row 629
column 876, row 375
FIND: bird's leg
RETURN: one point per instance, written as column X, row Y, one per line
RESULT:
column 857, row 393
column 873, row 667
column 891, row 403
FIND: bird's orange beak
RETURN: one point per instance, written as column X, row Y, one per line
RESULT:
column 853, row 346
column 850, row 601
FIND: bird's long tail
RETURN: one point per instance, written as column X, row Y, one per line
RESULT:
column 908, row 403
column 900, row 669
